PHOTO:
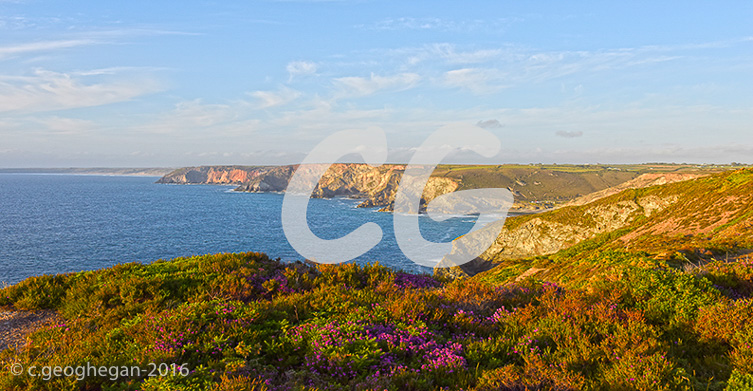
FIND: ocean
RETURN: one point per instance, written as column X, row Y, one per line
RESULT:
column 53, row 224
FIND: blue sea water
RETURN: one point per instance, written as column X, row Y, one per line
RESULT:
column 67, row 223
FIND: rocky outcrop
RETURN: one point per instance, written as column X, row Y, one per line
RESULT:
column 268, row 179
column 376, row 185
column 556, row 230
column 644, row 180
column 536, row 188
column 215, row 175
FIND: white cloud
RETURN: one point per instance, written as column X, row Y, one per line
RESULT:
column 300, row 68
column 133, row 32
column 411, row 24
column 440, row 54
column 81, row 39
column 275, row 98
column 63, row 125
column 6, row 51
column 47, row 90
column 433, row 23
column 452, row 55
column 512, row 65
column 361, row 86
column 115, row 70
column 191, row 115
column 477, row 80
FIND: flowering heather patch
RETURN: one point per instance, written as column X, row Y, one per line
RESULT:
column 246, row 322
column 405, row 280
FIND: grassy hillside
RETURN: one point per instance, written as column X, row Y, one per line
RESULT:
column 536, row 187
column 245, row 322
column 692, row 223
column 664, row 302
column 552, row 185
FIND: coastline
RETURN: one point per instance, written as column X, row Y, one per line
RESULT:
column 100, row 171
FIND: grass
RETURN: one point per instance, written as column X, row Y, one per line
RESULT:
column 246, row 322
column 598, row 315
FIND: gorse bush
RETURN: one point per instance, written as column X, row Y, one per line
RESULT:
column 246, row 322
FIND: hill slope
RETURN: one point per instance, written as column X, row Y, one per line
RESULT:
column 693, row 220
column 246, row 322
column 639, row 304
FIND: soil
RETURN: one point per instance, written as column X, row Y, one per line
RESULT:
column 15, row 325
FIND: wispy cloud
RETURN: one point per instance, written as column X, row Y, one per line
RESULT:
column 47, row 90
column 489, row 69
column 188, row 116
column 116, row 70
column 443, row 24
column 18, row 22
column 85, row 38
column 134, row 31
column 66, row 126
column 477, row 80
column 362, row 86
column 300, row 68
column 444, row 53
column 411, row 24
column 452, row 55
column 6, row 51
column 280, row 97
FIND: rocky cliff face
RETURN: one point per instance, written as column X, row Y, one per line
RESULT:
column 217, row 175
column 536, row 188
column 269, row 179
column 681, row 220
column 541, row 235
column 376, row 185
column 644, row 180
column 547, row 233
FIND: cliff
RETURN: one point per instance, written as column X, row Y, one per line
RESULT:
column 376, row 185
column 536, row 187
column 690, row 219
column 215, row 175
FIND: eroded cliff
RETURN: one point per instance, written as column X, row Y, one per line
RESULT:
column 679, row 220
column 376, row 185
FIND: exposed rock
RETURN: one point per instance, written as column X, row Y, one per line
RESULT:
column 268, row 179
column 536, row 188
column 546, row 234
column 376, row 185
column 225, row 175
column 476, row 266
column 644, row 180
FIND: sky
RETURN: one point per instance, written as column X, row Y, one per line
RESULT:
column 151, row 83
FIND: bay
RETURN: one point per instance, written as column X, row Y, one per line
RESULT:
column 53, row 224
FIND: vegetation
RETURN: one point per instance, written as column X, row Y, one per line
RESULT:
column 669, row 309
column 245, row 322
column 536, row 186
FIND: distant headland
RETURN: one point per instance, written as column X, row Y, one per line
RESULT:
column 536, row 187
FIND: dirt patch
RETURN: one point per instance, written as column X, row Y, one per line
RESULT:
column 15, row 325
column 667, row 225
column 644, row 180
column 528, row 273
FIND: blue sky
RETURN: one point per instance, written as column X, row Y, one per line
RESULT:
column 146, row 83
